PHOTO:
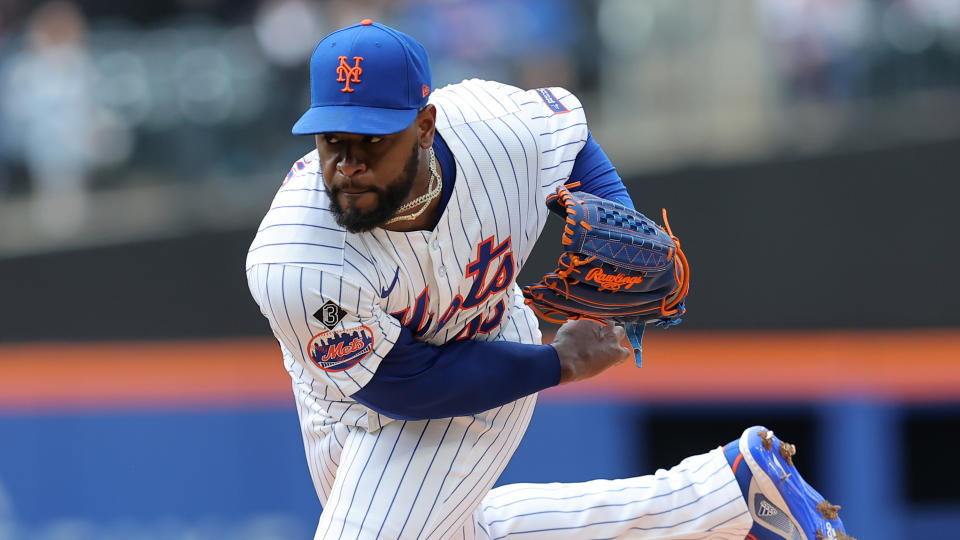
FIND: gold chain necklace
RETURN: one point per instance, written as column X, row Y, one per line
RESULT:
column 433, row 190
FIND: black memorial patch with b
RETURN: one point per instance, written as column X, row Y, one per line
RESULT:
column 329, row 314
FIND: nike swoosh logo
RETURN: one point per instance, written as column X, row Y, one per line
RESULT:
column 386, row 292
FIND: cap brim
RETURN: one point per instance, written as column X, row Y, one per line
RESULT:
column 353, row 119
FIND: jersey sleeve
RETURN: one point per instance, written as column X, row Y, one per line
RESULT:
column 597, row 175
column 561, row 128
column 334, row 328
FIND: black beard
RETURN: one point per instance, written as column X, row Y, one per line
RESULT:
column 389, row 199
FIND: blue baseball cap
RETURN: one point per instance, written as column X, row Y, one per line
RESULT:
column 367, row 78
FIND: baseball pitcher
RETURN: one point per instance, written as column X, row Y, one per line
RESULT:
column 386, row 267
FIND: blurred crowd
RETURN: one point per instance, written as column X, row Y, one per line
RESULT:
column 97, row 95
column 848, row 49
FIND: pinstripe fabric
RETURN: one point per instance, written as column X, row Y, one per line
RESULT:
column 421, row 479
column 377, row 477
column 697, row 499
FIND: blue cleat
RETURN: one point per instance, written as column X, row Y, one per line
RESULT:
column 783, row 506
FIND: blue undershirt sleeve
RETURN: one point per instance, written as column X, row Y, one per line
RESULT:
column 597, row 175
column 419, row 381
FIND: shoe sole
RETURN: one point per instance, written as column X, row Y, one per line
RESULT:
column 771, row 463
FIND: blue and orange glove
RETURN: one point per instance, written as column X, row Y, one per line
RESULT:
column 617, row 266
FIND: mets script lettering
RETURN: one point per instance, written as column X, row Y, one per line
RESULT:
column 481, row 289
column 492, row 272
column 419, row 320
column 349, row 74
column 339, row 350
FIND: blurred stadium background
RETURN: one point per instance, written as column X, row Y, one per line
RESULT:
column 809, row 152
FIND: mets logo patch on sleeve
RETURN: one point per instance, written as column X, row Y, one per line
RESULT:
column 339, row 350
column 551, row 100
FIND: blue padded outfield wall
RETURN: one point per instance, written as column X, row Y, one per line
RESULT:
column 240, row 473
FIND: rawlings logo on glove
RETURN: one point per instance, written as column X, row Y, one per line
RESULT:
column 617, row 266
column 612, row 282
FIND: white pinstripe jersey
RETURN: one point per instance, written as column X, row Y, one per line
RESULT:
column 512, row 148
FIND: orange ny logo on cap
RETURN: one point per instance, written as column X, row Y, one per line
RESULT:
column 349, row 74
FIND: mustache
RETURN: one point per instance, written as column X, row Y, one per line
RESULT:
column 354, row 186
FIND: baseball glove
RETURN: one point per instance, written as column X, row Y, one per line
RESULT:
column 617, row 266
